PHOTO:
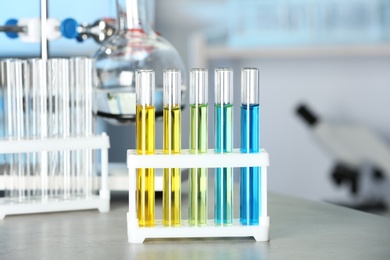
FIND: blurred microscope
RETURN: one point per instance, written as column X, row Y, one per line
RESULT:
column 362, row 160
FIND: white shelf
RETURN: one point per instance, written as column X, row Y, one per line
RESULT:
column 314, row 51
column 210, row 159
column 8, row 146
column 202, row 51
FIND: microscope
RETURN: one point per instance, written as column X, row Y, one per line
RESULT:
column 362, row 159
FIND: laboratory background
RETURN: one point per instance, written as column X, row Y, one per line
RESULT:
column 324, row 77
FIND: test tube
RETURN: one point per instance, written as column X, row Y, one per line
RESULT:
column 77, row 97
column 19, row 126
column 223, row 122
column 54, row 70
column 90, row 70
column 32, row 121
column 250, row 143
column 82, row 83
column 171, row 145
column 197, row 208
column 64, row 125
column 7, row 94
column 10, row 118
column 39, row 124
column 73, row 125
column 28, row 179
column 145, row 144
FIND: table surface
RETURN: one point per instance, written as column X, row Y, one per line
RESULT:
column 300, row 229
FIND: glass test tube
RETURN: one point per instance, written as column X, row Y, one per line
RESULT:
column 250, row 143
column 223, row 122
column 54, row 74
column 16, row 164
column 19, row 126
column 7, row 126
column 74, row 114
column 91, row 81
column 197, row 208
column 7, row 120
column 90, row 71
column 145, row 144
column 88, row 68
column 29, row 181
column 171, row 145
column 64, row 126
column 77, row 101
column 31, row 131
column 82, row 81
column 52, row 96
column 10, row 117
column 39, row 124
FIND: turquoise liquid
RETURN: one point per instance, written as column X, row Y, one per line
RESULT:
column 250, row 200
column 223, row 205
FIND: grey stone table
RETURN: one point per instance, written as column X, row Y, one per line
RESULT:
column 300, row 229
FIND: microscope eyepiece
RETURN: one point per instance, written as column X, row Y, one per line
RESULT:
column 307, row 115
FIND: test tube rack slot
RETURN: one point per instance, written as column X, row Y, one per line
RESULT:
column 93, row 142
column 185, row 159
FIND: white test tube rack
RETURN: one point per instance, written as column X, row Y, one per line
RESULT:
column 210, row 159
column 95, row 142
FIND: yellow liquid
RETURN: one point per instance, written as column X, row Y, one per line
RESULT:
column 145, row 141
column 172, row 176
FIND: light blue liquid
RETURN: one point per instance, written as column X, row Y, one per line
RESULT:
column 223, row 205
column 250, row 200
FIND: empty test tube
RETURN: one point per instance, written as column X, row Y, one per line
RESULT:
column 39, row 123
column 7, row 78
column 28, row 178
column 19, row 126
column 90, row 70
column 8, row 130
column 86, row 83
column 197, row 207
column 64, row 126
column 53, row 78
column 250, row 143
column 82, row 74
column 31, row 120
column 223, row 125
column 171, row 145
column 77, row 109
column 145, row 144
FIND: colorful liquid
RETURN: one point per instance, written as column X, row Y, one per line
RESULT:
column 172, row 176
column 223, row 204
column 197, row 210
column 145, row 142
column 250, row 208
